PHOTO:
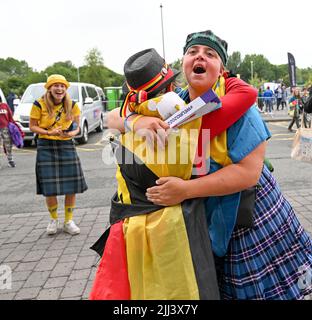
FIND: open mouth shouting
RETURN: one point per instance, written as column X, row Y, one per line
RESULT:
column 199, row 69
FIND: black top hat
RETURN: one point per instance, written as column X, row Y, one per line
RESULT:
column 146, row 74
column 147, row 70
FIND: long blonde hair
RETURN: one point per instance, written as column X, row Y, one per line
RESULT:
column 67, row 104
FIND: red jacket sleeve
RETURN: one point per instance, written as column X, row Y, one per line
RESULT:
column 239, row 97
column 10, row 115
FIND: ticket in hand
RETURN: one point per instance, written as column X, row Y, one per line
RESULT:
column 206, row 103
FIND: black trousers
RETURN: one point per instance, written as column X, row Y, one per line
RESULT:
column 278, row 103
column 294, row 119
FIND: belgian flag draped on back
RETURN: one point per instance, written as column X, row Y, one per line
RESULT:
column 150, row 251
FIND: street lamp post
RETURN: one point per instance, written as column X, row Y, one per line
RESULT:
column 251, row 70
column 162, row 30
column 78, row 74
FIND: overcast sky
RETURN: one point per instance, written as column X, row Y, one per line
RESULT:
column 43, row 32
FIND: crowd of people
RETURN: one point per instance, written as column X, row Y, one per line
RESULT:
column 297, row 103
column 291, row 100
column 278, row 98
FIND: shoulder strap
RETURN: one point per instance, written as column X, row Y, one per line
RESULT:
column 57, row 118
column 37, row 104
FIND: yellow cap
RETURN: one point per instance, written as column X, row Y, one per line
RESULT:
column 56, row 78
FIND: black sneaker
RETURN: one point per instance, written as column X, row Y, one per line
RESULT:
column 11, row 164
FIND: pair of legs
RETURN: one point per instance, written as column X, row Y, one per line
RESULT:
column 69, row 225
column 294, row 120
column 278, row 103
column 5, row 139
column 268, row 106
column 70, row 200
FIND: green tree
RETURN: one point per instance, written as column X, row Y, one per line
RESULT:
column 180, row 80
column 234, row 62
column 260, row 65
column 13, row 67
column 281, row 74
column 67, row 69
column 95, row 72
column 257, row 82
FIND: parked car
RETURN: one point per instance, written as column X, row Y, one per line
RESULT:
column 86, row 95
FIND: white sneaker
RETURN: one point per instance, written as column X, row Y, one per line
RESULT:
column 71, row 228
column 52, row 226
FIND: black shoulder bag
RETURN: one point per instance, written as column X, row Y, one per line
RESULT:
column 245, row 213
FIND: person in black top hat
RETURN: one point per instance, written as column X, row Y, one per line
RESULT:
column 148, row 76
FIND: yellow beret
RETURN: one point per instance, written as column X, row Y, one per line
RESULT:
column 56, row 78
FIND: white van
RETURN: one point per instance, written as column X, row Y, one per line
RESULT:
column 3, row 99
column 85, row 94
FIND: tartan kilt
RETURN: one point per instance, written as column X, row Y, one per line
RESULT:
column 58, row 168
column 273, row 260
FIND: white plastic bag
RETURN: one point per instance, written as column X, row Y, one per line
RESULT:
column 302, row 145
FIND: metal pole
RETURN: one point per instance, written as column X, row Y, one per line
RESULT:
column 78, row 74
column 162, row 30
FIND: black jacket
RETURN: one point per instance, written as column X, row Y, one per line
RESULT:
column 308, row 105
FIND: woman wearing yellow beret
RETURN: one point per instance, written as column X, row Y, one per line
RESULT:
column 55, row 118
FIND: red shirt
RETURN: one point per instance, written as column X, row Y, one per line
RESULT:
column 239, row 97
column 5, row 115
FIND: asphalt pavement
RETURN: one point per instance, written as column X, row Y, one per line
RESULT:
column 34, row 265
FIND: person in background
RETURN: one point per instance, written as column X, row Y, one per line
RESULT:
column 306, row 118
column 279, row 96
column 55, row 117
column 10, row 100
column 308, row 105
column 304, row 95
column 5, row 139
column 295, row 107
column 268, row 96
column 284, row 98
column 260, row 99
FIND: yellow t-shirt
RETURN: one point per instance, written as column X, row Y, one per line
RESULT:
column 45, row 121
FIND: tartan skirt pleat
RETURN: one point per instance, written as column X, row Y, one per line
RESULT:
column 58, row 168
column 272, row 261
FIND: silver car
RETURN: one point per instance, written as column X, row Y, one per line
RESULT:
column 85, row 94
